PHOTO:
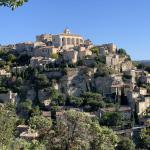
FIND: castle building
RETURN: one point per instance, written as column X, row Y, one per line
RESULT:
column 67, row 39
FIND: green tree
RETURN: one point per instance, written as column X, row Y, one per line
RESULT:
column 54, row 93
column 2, row 63
column 122, row 52
column 12, row 3
column 7, row 126
column 111, row 119
column 77, row 131
column 74, row 101
column 24, row 108
column 21, row 144
column 145, row 138
column 125, row 144
column 103, row 138
column 54, row 56
column 95, row 50
column 94, row 100
column 23, row 59
column 11, row 58
column 40, row 124
column 41, row 81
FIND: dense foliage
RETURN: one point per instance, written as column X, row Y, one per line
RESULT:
column 12, row 3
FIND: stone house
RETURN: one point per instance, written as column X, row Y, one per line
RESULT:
column 8, row 96
column 46, row 51
column 45, row 38
column 35, row 61
column 29, row 135
column 107, row 48
column 71, row 56
column 142, row 104
column 143, row 91
column 46, row 114
column 145, row 79
column 22, row 128
column 39, row 44
column 19, row 69
column 40, row 62
column 132, row 74
column 25, row 48
column 83, row 52
column 112, row 60
column 132, row 96
column 4, row 73
column 88, row 43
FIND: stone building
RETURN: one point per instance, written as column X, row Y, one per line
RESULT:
column 71, row 56
column 39, row 44
column 113, row 61
column 46, row 51
column 38, row 61
column 139, row 101
column 83, row 52
column 4, row 73
column 45, row 38
column 143, row 91
column 19, row 69
column 8, row 97
column 29, row 135
column 107, row 48
column 145, row 79
column 141, row 105
column 67, row 39
column 26, row 47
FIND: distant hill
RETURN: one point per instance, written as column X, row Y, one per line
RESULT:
column 145, row 62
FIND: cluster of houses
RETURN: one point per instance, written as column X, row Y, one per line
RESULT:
column 72, row 48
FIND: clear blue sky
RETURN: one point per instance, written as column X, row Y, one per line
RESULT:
column 124, row 22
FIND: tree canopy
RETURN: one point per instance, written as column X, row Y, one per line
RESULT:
column 78, row 131
column 125, row 144
column 12, row 3
column 7, row 125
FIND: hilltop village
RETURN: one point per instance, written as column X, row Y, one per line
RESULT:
column 67, row 73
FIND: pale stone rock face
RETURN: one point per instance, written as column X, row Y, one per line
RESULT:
column 103, row 84
column 126, row 66
column 75, row 82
